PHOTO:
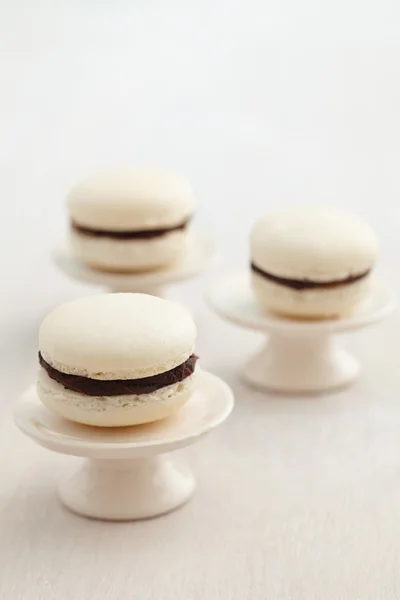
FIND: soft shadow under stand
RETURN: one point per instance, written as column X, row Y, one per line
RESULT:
column 297, row 356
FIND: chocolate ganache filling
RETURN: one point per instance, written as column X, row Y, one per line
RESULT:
column 308, row 284
column 118, row 387
column 129, row 235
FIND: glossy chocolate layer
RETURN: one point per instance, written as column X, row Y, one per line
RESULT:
column 129, row 235
column 119, row 387
column 308, row 284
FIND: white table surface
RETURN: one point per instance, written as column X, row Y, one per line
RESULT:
column 259, row 103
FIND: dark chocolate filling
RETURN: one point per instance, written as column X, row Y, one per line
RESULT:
column 118, row 387
column 308, row 284
column 129, row 235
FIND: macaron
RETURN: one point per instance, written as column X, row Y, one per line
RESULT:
column 116, row 359
column 312, row 262
column 131, row 219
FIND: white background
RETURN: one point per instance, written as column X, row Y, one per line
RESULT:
column 259, row 103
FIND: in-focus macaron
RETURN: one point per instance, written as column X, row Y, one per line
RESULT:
column 312, row 262
column 131, row 219
column 116, row 359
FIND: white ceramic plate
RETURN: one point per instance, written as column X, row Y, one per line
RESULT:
column 209, row 406
column 201, row 252
column 233, row 299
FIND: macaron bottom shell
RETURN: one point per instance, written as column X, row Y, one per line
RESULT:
column 129, row 255
column 113, row 411
column 317, row 303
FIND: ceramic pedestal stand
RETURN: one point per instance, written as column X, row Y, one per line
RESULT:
column 298, row 356
column 129, row 472
column 199, row 256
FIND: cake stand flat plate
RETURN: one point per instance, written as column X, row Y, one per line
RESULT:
column 200, row 254
column 208, row 407
column 233, row 299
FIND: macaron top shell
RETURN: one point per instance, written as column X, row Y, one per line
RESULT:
column 316, row 243
column 132, row 199
column 117, row 336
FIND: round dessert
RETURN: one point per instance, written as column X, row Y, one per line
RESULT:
column 131, row 219
column 116, row 359
column 311, row 262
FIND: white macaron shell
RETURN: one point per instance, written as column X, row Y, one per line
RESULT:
column 316, row 303
column 132, row 199
column 129, row 255
column 317, row 243
column 117, row 336
column 113, row 411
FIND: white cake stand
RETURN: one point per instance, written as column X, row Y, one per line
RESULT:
column 199, row 256
column 299, row 356
column 129, row 473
